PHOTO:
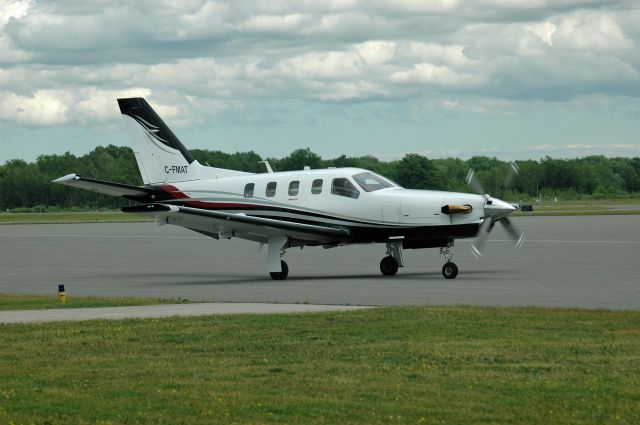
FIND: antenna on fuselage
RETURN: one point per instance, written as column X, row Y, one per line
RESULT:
column 266, row 164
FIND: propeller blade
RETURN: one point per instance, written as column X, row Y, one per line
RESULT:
column 511, row 174
column 474, row 183
column 514, row 233
column 483, row 234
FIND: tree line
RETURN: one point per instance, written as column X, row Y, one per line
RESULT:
column 26, row 186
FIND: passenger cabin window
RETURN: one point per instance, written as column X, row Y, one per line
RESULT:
column 294, row 187
column 248, row 190
column 316, row 186
column 271, row 189
column 371, row 182
column 344, row 187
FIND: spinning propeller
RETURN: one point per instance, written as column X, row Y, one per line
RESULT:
column 495, row 210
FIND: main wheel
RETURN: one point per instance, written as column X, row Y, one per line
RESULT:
column 389, row 266
column 449, row 270
column 281, row 275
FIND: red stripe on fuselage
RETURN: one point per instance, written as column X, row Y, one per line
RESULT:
column 178, row 194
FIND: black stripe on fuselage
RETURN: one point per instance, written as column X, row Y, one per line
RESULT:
column 360, row 231
column 254, row 209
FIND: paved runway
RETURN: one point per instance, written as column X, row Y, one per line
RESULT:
column 588, row 261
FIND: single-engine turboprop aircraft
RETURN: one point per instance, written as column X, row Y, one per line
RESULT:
column 328, row 208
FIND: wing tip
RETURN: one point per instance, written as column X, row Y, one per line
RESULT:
column 66, row 179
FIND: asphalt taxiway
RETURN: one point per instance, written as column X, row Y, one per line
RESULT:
column 582, row 261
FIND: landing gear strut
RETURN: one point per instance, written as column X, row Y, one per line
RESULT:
column 390, row 264
column 449, row 270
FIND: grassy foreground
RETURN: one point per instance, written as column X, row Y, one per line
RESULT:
column 31, row 302
column 394, row 365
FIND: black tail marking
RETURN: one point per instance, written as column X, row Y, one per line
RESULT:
column 138, row 109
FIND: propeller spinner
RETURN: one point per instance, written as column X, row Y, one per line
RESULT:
column 495, row 210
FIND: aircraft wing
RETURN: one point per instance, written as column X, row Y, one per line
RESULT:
column 100, row 186
column 225, row 224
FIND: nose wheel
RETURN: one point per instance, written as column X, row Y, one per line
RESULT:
column 449, row 270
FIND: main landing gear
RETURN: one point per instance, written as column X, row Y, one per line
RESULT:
column 281, row 275
column 449, row 270
column 278, row 269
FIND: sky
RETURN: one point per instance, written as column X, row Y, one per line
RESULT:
column 512, row 79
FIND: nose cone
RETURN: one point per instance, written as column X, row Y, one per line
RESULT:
column 498, row 209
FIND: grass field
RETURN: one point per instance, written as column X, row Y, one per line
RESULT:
column 623, row 206
column 424, row 365
column 69, row 217
column 31, row 302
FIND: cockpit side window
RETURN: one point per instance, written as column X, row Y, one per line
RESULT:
column 371, row 182
column 343, row 187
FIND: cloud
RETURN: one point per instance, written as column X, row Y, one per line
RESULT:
column 590, row 31
column 43, row 108
column 69, row 59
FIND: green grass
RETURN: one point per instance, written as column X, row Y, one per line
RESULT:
column 31, row 302
column 577, row 207
column 543, row 213
column 68, row 217
column 393, row 365
column 625, row 206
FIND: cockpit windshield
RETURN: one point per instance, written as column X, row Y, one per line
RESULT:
column 371, row 182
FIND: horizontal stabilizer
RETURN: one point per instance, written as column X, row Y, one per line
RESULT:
column 100, row 186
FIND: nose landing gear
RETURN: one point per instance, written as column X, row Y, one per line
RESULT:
column 449, row 270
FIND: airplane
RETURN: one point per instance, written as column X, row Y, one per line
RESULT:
column 310, row 207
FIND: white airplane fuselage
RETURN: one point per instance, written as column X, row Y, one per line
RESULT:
column 307, row 196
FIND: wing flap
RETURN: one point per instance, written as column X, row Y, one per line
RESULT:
column 240, row 225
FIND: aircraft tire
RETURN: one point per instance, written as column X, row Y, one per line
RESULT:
column 449, row 270
column 389, row 266
column 280, row 275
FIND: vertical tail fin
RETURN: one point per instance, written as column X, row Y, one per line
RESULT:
column 161, row 157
